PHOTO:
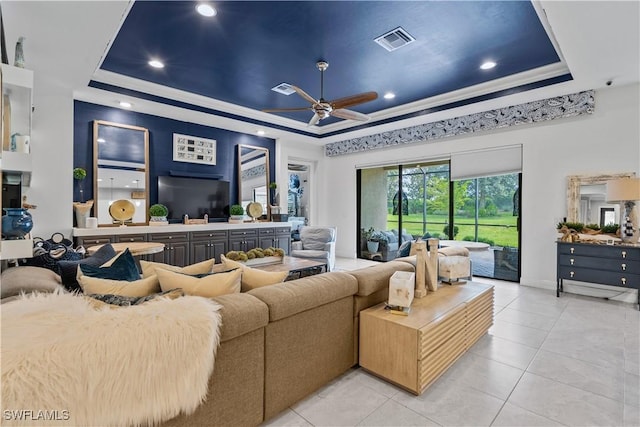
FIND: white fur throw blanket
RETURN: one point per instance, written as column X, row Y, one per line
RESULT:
column 65, row 363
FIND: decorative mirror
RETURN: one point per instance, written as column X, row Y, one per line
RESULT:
column 253, row 177
column 586, row 199
column 120, row 171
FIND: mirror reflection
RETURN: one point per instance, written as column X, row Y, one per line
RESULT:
column 121, row 154
column 586, row 199
column 253, row 176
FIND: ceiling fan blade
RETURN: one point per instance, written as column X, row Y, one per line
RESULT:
column 304, row 94
column 352, row 100
column 275, row 110
column 315, row 119
column 350, row 115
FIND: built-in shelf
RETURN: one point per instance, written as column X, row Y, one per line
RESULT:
column 17, row 163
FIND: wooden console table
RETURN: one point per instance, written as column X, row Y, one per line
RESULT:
column 616, row 265
column 413, row 351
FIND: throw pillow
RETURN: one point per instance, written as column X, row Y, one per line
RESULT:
column 137, row 288
column 69, row 269
column 28, row 279
column 149, row 268
column 204, row 285
column 404, row 249
column 123, row 301
column 253, row 278
column 122, row 267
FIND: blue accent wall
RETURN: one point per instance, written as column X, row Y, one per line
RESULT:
column 161, row 132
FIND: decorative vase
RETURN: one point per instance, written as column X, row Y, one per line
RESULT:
column 82, row 211
column 16, row 223
column 158, row 219
column 372, row 246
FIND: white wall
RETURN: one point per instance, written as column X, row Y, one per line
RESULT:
column 606, row 141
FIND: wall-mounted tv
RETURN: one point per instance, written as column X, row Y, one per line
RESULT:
column 194, row 197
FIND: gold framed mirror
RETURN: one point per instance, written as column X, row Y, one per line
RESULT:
column 253, row 177
column 120, row 170
column 586, row 199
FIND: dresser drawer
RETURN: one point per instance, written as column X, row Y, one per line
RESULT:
column 283, row 231
column 600, row 251
column 168, row 237
column 590, row 275
column 209, row 235
column 607, row 264
column 266, row 232
column 251, row 232
column 131, row 238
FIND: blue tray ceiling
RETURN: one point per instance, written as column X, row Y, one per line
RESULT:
column 252, row 46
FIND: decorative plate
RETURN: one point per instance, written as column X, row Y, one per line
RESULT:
column 254, row 210
column 122, row 210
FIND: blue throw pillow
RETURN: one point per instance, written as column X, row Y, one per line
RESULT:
column 69, row 269
column 123, row 268
column 405, row 249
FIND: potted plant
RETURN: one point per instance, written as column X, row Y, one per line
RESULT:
column 236, row 212
column 158, row 213
column 373, row 239
column 81, row 208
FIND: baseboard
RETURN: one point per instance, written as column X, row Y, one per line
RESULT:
column 613, row 293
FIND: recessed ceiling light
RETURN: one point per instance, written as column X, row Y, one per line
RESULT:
column 125, row 104
column 205, row 9
column 101, row 140
column 156, row 64
column 389, row 95
column 487, row 65
column 99, row 179
column 260, row 132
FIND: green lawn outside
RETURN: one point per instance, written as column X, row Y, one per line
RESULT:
column 501, row 228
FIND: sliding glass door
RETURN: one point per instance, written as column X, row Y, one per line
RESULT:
column 405, row 202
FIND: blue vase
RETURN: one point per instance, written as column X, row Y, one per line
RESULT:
column 16, row 223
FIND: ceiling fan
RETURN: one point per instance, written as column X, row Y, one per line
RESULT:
column 337, row 108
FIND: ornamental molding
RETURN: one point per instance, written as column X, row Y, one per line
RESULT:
column 575, row 104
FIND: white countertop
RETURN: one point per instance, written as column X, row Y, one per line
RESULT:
column 172, row 228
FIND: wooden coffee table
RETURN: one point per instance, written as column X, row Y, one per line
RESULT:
column 297, row 267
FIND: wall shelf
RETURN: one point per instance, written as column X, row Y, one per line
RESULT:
column 12, row 249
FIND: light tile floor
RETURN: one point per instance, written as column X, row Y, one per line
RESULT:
column 547, row 361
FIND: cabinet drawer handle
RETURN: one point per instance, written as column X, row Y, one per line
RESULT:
column 624, row 267
column 571, row 273
column 170, row 237
column 624, row 281
column 624, row 254
column 572, row 260
column 131, row 240
column 210, row 235
column 572, row 249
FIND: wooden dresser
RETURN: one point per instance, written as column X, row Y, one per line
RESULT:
column 616, row 265
column 413, row 351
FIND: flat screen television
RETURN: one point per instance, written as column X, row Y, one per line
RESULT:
column 194, row 197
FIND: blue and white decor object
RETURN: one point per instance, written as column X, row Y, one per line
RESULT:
column 16, row 223
column 19, row 56
column 575, row 104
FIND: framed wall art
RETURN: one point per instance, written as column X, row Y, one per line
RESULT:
column 193, row 149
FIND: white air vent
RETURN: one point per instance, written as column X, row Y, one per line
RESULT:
column 395, row 39
column 283, row 88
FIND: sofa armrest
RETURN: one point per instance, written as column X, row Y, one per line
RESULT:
column 296, row 246
column 373, row 279
column 241, row 314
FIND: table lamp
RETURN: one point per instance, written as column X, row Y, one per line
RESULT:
column 626, row 191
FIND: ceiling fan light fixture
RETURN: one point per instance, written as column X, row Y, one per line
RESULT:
column 206, row 9
column 487, row 65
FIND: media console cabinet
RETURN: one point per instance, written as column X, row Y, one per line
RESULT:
column 616, row 265
column 188, row 244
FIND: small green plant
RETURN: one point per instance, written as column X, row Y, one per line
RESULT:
column 79, row 173
column 610, row 228
column 456, row 229
column 158, row 210
column 593, row 226
column 273, row 185
column 236, row 210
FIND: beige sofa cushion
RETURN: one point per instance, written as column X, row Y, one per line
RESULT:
column 296, row 296
column 253, row 278
column 204, row 267
column 372, row 279
column 453, row 251
column 137, row 288
column 28, row 279
column 208, row 286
